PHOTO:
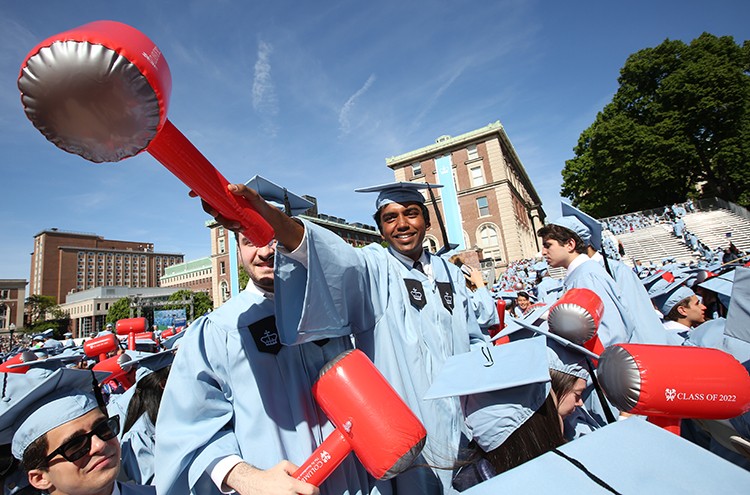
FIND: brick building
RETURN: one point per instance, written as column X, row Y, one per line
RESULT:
column 12, row 298
column 64, row 262
column 497, row 208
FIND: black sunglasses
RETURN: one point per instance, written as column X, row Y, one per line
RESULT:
column 80, row 445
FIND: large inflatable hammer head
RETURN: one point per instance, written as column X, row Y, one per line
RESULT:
column 101, row 345
column 676, row 382
column 370, row 417
column 131, row 325
column 101, row 91
column 576, row 315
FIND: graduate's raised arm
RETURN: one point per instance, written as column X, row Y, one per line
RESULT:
column 289, row 232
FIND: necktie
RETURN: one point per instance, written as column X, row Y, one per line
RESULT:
column 418, row 266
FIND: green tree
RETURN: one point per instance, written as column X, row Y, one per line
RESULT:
column 118, row 310
column 202, row 303
column 37, row 306
column 678, row 126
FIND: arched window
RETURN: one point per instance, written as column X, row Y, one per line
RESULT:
column 489, row 241
column 430, row 244
column 224, row 290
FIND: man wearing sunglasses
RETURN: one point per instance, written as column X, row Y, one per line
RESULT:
column 62, row 436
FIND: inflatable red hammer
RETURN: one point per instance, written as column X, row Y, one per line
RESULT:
column 668, row 383
column 20, row 358
column 370, row 417
column 576, row 317
column 496, row 329
column 129, row 327
column 101, row 91
column 101, row 346
column 116, row 366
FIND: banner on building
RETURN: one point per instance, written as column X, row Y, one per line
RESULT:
column 449, row 198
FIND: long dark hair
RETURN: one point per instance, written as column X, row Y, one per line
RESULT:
column 539, row 434
column 147, row 397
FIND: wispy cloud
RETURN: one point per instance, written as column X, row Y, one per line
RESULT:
column 264, row 93
column 344, row 123
column 451, row 78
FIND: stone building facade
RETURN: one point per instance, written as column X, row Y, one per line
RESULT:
column 498, row 208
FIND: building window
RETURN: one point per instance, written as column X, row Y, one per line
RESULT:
column 430, row 244
column 416, row 169
column 222, row 268
column 477, row 176
column 488, row 237
column 224, row 291
column 483, row 206
column 221, row 232
column 222, row 247
column 473, row 152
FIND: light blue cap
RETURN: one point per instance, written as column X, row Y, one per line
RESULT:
column 555, row 363
column 671, row 295
column 173, row 342
column 574, row 224
column 399, row 192
column 738, row 314
column 593, row 225
column 274, row 194
column 631, row 456
column 501, row 387
column 148, row 362
column 50, row 400
column 51, row 363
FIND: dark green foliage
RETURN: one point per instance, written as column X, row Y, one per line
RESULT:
column 678, row 126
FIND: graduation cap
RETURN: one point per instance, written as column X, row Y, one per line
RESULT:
column 147, row 363
column 536, row 323
column 501, row 387
column 398, row 192
column 173, row 342
column 594, row 225
column 279, row 196
column 738, row 313
column 572, row 369
column 48, row 401
column 541, row 266
column 51, row 363
column 667, row 297
column 574, row 224
column 631, row 456
column 721, row 284
column 403, row 192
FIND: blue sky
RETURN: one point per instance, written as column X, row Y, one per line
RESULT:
column 314, row 95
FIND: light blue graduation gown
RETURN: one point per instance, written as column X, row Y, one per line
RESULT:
column 646, row 327
column 548, row 290
column 137, row 446
column 484, row 308
column 346, row 290
column 616, row 325
column 224, row 396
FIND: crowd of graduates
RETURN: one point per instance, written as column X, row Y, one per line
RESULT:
column 226, row 404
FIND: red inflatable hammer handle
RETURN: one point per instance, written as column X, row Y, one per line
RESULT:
column 173, row 150
column 371, row 419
